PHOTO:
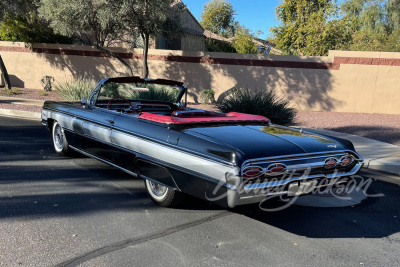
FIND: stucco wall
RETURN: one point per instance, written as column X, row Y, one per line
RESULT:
column 344, row 81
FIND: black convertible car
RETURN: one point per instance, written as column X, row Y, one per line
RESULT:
column 230, row 159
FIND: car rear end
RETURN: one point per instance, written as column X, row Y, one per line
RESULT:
column 292, row 175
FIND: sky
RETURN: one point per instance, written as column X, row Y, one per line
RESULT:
column 253, row 14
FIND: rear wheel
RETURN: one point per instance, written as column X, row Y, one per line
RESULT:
column 59, row 141
column 162, row 195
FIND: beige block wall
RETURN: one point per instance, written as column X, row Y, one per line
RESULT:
column 351, row 88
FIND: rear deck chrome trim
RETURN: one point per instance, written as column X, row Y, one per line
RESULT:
column 303, row 156
column 258, row 186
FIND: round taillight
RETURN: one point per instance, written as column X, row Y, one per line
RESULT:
column 346, row 160
column 276, row 169
column 252, row 172
column 330, row 163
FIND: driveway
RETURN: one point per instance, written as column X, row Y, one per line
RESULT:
column 70, row 211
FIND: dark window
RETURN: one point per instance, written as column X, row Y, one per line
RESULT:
column 173, row 44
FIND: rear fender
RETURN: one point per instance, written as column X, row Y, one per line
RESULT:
column 155, row 172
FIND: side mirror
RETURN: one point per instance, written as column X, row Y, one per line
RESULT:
column 83, row 101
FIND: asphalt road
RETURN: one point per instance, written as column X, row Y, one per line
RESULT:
column 78, row 211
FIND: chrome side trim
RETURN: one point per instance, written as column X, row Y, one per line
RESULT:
column 151, row 159
column 102, row 160
column 97, row 131
column 177, row 148
column 178, row 158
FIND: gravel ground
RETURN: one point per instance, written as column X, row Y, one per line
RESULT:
column 21, row 107
column 381, row 127
column 33, row 94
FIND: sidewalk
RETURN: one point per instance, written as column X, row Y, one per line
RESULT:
column 20, row 107
column 377, row 155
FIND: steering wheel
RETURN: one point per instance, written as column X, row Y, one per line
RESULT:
column 120, row 97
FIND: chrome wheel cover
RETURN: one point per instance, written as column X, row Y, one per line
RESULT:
column 157, row 189
column 58, row 137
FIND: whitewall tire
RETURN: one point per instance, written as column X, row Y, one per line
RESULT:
column 59, row 140
column 162, row 195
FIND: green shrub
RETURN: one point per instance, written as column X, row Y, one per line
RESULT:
column 264, row 103
column 207, row 96
column 160, row 93
column 219, row 46
column 75, row 89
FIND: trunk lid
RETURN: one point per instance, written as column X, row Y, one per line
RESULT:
column 266, row 141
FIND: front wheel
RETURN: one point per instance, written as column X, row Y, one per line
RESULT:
column 59, row 140
column 162, row 195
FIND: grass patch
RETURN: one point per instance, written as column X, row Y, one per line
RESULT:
column 12, row 91
column 43, row 93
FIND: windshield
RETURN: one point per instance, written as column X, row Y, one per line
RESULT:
column 139, row 91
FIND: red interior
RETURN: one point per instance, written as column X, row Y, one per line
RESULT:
column 229, row 117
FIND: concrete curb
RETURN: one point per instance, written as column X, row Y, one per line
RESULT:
column 20, row 113
column 22, row 101
column 388, row 164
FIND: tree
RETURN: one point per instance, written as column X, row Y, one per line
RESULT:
column 392, row 8
column 92, row 22
column 218, row 17
column 219, row 46
column 377, row 24
column 18, row 7
column 18, row 28
column 151, row 18
column 19, row 22
column 243, row 41
column 101, row 22
column 310, row 27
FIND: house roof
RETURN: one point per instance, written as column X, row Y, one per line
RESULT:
column 179, row 3
column 257, row 41
column 217, row 37
column 208, row 34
